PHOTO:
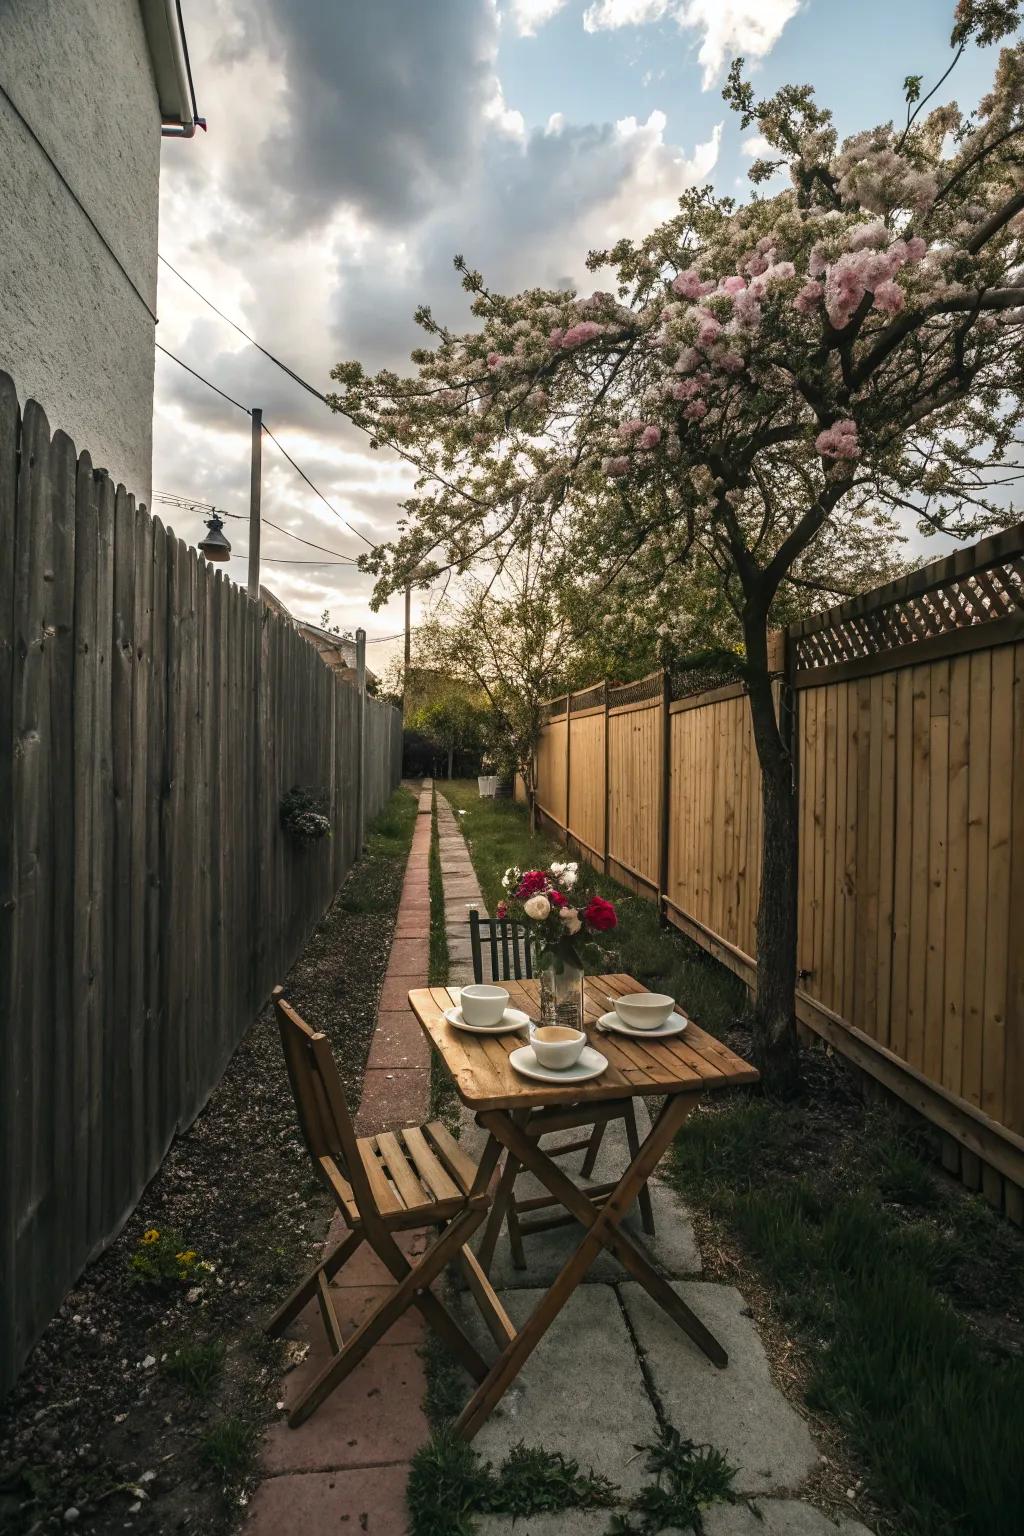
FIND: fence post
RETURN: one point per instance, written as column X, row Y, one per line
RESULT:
column 568, row 760
column 361, row 733
column 666, row 797
column 607, row 786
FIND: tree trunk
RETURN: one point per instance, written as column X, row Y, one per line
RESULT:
column 775, row 1038
column 451, row 754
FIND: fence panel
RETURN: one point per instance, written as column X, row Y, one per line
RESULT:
column 151, row 718
column 909, row 756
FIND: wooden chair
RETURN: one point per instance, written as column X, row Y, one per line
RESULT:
column 507, row 949
column 384, row 1184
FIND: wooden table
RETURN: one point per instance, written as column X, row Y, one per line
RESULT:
column 515, row 1111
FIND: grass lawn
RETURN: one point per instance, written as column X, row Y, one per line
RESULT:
column 898, row 1296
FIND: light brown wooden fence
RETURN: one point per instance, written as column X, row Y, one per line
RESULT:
column 151, row 717
column 908, row 730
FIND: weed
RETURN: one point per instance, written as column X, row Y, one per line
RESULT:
column 531, row 1482
column 228, row 1445
column 196, row 1365
column 163, row 1259
column 687, row 1479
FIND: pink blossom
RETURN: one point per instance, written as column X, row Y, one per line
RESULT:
column 495, row 360
column 584, row 331
column 731, row 362
column 817, row 261
column 746, row 311
column 838, row 441
column 631, row 428
column 685, row 389
column 687, row 284
column 917, row 249
column 889, row 298
column 688, row 360
column 615, row 467
column 732, row 284
column 864, row 235
column 809, row 297
column 695, row 410
column 650, row 437
column 555, row 338
column 709, row 331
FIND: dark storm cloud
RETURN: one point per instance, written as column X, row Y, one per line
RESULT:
column 378, row 99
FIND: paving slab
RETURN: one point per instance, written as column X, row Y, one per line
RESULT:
column 777, row 1517
column 358, row 1424
column 581, row 1392
column 568, row 1522
column 393, row 1096
column 398, row 1041
column 410, row 957
column 738, row 1410
column 369, row 1501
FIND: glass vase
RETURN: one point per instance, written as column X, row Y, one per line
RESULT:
column 561, row 992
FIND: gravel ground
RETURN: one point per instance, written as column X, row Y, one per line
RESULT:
column 140, row 1409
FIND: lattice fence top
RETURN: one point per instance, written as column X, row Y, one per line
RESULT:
column 555, row 709
column 975, row 586
column 644, row 688
column 587, row 699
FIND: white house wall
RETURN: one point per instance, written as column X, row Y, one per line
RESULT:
column 77, row 331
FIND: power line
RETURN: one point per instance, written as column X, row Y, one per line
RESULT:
column 323, row 498
column 199, row 376
column 297, row 468
column 203, row 507
column 303, row 383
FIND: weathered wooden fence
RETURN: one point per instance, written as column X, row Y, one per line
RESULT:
column 151, row 717
column 907, row 710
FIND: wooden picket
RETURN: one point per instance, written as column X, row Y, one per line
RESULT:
column 151, row 718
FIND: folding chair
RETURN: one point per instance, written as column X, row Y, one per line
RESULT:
column 507, row 948
column 413, row 1178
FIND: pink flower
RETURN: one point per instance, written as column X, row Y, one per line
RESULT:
column 695, row 411
column 917, row 249
column 688, row 360
column 585, row 331
column 731, row 362
column 615, row 467
column 685, row 389
column 687, row 285
column 709, row 331
column 889, row 298
column 732, row 284
column 495, row 360
column 631, row 428
column 650, row 438
column 809, row 297
column 838, row 441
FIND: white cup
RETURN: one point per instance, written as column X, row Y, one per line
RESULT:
column 645, row 1010
column 483, row 1005
column 562, row 1047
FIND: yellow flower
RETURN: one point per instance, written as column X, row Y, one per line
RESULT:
column 188, row 1257
column 151, row 1236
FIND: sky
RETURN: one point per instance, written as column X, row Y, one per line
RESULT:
column 353, row 148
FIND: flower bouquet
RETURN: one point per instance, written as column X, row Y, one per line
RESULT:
column 561, row 927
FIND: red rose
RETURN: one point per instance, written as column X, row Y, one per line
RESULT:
column 556, row 899
column 501, row 910
column 600, row 914
column 532, row 883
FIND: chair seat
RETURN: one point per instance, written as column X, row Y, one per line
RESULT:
column 408, row 1170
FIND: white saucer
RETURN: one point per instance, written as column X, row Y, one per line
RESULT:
column 590, row 1064
column 674, row 1025
column 512, row 1018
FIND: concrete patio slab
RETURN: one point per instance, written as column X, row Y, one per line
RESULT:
column 581, row 1392
column 777, row 1517
column 568, row 1522
column 739, row 1410
column 358, row 1424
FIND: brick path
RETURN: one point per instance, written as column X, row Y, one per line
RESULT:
column 461, row 891
column 346, row 1468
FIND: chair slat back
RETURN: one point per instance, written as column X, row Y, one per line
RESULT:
column 504, row 944
column 323, row 1111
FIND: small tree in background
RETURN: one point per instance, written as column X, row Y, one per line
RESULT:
column 755, row 379
column 454, row 721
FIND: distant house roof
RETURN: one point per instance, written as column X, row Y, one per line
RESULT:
column 168, row 50
column 338, row 651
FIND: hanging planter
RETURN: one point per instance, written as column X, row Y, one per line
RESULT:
column 304, row 814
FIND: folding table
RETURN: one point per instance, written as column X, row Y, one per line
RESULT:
column 515, row 1111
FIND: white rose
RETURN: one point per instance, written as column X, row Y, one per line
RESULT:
column 537, row 907
column 556, row 869
column 568, row 880
column 571, row 918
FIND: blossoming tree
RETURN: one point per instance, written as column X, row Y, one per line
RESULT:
column 756, row 378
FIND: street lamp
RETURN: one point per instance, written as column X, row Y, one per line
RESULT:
column 215, row 546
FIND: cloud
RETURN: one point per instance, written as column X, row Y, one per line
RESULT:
column 528, row 16
column 756, row 146
column 728, row 28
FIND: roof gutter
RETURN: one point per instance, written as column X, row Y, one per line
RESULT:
column 168, row 50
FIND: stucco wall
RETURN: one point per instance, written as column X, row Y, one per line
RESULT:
column 74, row 332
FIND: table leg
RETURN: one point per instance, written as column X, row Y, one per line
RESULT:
column 602, row 1225
column 504, row 1204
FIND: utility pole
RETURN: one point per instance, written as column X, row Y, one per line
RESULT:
column 255, row 476
column 408, row 633
column 361, row 706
